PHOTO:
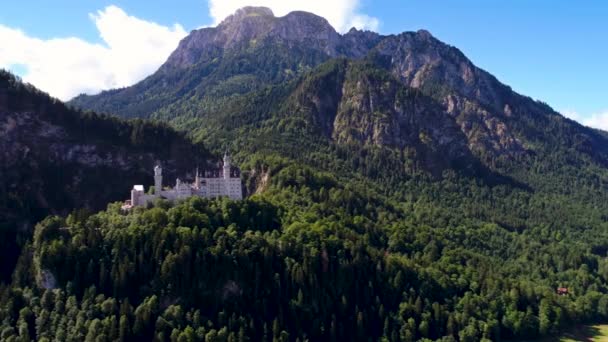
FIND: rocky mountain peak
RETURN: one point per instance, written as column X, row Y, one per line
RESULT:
column 249, row 13
column 308, row 19
column 250, row 27
column 424, row 34
column 251, row 24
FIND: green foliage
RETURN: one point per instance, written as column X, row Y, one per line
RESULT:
column 312, row 257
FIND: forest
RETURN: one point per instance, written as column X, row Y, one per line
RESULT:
column 309, row 258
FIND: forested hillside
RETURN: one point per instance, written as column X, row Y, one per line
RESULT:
column 54, row 160
column 309, row 258
column 398, row 193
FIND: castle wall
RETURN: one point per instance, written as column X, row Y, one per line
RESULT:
column 142, row 199
column 215, row 187
column 221, row 187
column 233, row 188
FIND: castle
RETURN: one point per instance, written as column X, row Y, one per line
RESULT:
column 221, row 183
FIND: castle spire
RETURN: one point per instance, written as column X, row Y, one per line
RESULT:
column 158, row 179
column 226, row 165
column 197, row 179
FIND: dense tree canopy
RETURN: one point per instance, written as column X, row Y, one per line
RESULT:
column 310, row 258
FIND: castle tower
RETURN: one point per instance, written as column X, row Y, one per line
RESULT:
column 158, row 180
column 226, row 166
column 197, row 180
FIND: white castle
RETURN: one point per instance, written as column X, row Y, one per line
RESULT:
column 221, row 183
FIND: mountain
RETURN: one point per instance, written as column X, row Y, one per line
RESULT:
column 253, row 49
column 54, row 159
column 398, row 193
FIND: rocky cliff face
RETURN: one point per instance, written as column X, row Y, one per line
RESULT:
column 421, row 61
column 29, row 144
column 376, row 109
column 250, row 27
column 355, row 103
column 472, row 96
column 47, row 167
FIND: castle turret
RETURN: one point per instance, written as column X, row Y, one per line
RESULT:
column 197, row 180
column 158, row 180
column 226, row 166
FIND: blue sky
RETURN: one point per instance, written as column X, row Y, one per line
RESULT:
column 554, row 51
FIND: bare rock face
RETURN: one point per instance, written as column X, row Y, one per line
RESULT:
column 249, row 12
column 380, row 111
column 353, row 103
column 249, row 27
column 357, row 43
column 46, row 280
column 25, row 136
column 485, row 131
column 420, row 60
column 472, row 96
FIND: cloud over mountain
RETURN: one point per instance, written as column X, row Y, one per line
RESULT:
column 64, row 67
column 596, row 120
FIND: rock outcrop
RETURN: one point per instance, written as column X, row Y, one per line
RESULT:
column 250, row 27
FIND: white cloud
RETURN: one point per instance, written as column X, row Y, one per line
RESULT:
column 65, row 67
column 571, row 114
column 342, row 14
column 597, row 120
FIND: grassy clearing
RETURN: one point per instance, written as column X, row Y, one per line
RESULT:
column 595, row 333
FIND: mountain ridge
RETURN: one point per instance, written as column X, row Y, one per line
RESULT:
column 219, row 62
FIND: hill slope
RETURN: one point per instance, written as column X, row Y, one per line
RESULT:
column 54, row 159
